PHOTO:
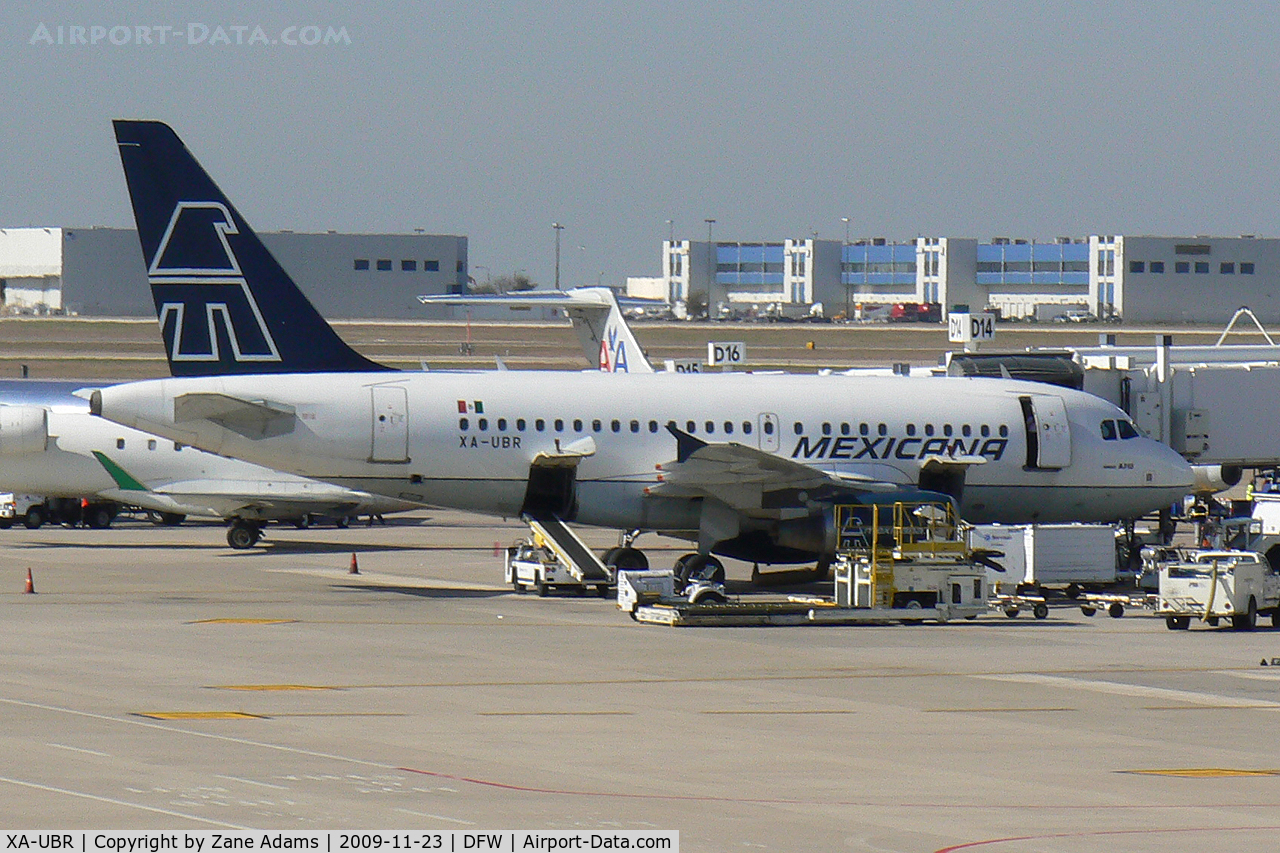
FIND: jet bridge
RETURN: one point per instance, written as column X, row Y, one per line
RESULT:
column 1213, row 404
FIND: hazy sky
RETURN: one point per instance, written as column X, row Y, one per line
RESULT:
column 493, row 120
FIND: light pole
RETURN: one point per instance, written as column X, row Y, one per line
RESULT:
column 844, row 257
column 558, row 228
column 711, row 263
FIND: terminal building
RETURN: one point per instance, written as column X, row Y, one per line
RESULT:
column 1139, row 279
column 100, row 271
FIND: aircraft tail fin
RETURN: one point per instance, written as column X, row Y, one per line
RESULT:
column 225, row 305
column 607, row 340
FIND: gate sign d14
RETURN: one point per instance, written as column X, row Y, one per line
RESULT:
column 726, row 353
column 963, row 328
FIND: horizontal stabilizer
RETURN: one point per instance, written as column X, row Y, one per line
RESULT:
column 606, row 338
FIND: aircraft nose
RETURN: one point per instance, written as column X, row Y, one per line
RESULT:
column 1167, row 468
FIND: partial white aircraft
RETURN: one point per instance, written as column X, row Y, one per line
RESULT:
column 51, row 446
column 73, row 454
column 747, row 466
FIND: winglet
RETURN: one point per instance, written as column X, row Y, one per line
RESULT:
column 225, row 305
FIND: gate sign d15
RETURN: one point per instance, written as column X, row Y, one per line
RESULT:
column 726, row 353
column 963, row 328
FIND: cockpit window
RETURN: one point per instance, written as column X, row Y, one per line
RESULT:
column 1113, row 430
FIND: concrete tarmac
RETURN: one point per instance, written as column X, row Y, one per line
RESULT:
column 159, row 680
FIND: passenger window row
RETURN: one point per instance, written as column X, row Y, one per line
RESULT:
column 151, row 444
column 947, row 430
column 615, row 425
column 578, row 425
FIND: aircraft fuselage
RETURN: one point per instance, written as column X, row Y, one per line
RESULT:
column 467, row 440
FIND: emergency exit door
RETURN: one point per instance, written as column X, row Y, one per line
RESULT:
column 767, row 433
column 390, row 424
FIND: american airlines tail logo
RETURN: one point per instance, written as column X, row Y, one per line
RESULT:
column 613, row 352
column 199, row 286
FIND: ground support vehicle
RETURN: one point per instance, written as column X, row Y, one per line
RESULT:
column 1216, row 585
column 1035, row 556
column 1012, row 604
column 894, row 563
column 1115, row 603
column 34, row 511
column 909, row 557
column 529, row 564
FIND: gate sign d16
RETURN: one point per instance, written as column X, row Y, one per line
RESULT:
column 963, row 328
column 726, row 353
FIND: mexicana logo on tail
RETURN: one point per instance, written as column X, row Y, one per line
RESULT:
column 225, row 305
column 195, row 267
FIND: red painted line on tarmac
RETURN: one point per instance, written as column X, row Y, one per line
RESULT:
column 530, row 789
column 526, row 789
column 972, row 845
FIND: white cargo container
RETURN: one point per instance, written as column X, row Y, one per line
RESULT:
column 1049, row 554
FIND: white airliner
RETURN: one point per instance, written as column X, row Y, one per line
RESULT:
column 747, row 466
column 62, row 453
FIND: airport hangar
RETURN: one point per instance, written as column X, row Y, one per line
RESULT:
column 1135, row 278
column 99, row 271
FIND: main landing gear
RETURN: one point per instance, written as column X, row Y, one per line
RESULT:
column 699, row 567
column 243, row 534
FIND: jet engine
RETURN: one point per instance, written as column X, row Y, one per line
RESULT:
column 1211, row 479
column 23, row 429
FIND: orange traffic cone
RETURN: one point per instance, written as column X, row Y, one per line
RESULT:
column 355, row 568
column 31, row 584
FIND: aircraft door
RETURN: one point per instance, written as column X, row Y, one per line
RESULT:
column 390, row 424
column 1048, row 431
column 767, row 432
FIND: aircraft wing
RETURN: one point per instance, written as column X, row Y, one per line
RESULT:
column 282, row 498
column 250, row 418
column 753, row 481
